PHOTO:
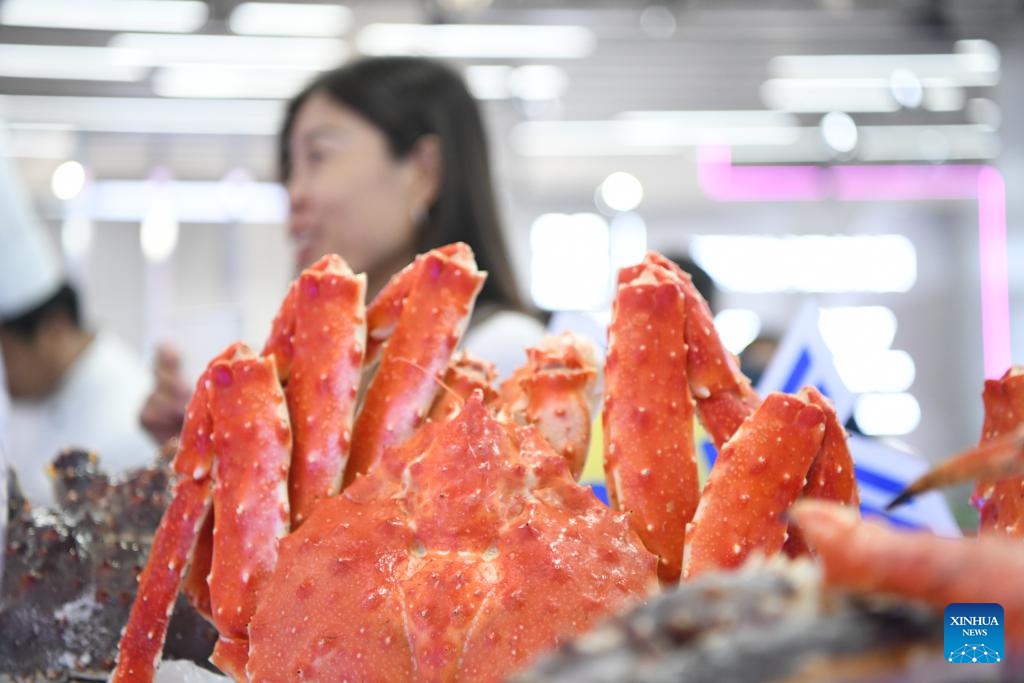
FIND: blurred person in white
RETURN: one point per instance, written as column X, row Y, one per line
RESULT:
column 384, row 158
column 65, row 385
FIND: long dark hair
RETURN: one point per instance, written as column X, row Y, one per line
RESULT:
column 407, row 98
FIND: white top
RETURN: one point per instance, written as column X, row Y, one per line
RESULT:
column 502, row 339
column 96, row 407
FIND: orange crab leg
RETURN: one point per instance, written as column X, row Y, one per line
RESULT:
column 252, row 445
column 757, row 476
column 1002, row 502
column 143, row 639
column 465, row 374
column 195, row 586
column 831, row 476
column 870, row 557
column 386, row 308
column 995, row 458
column 318, row 338
column 552, row 391
column 433, row 318
column 723, row 394
column 649, row 460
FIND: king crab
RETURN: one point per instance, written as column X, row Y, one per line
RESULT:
column 437, row 533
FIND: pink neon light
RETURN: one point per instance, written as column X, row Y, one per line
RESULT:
column 721, row 181
column 995, row 290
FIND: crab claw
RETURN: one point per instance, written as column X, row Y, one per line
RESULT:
column 993, row 459
column 553, row 391
column 758, row 475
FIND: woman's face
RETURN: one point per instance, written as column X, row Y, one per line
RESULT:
column 347, row 193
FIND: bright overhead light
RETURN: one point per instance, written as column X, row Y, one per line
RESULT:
column 853, row 330
column 229, row 81
column 538, row 82
column 887, row 414
column 194, row 201
column 146, row 114
column 569, row 262
column 637, row 136
column 709, row 118
column 162, row 16
column 885, row 371
column 477, row 40
column 68, row 180
column 70, row 62
column 808, row 263
column 488, row 81
column 972, row 64
column 839, row 131
column 160, row 50
column 622, row 191
column 289, row 19
column 810, row 95
column 532, row 82
column 906, row 88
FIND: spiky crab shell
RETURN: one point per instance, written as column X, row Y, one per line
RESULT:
column 464, row 555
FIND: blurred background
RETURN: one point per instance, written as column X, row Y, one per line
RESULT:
column 864, row 154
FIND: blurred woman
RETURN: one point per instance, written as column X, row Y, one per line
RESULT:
column 385, row 158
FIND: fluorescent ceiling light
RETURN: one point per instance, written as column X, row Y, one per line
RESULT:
column 569, row 262
column 159, row 50
column 819, row 95
column 973, row 63
column 700, row 118
column 72, row 63
column 637, row 136
column 167, row 16
column 531, row 82
column 477, row 40
column 927, row 143
column 229, row 81
column 887, row 414
column 289, row 19
column 146, row 115
column 808, row 263
column 194, row 201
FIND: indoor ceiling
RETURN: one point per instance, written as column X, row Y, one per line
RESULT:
column 165, row 109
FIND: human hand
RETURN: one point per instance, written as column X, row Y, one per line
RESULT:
column 164, row 409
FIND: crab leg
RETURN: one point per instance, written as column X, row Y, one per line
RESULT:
column 465, row 374
column 252, row 443
column 870, row 558
column 723, row 394
column 552, row 391
column 831, row 476
column 318, row 339
column 649, row 459
column 434, row 315
column 143, row 640
column 386, row 308
column 757, row 476
column 994, row 458
column 1002, row 502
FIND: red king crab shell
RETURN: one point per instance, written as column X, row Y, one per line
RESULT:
column 465, row 554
